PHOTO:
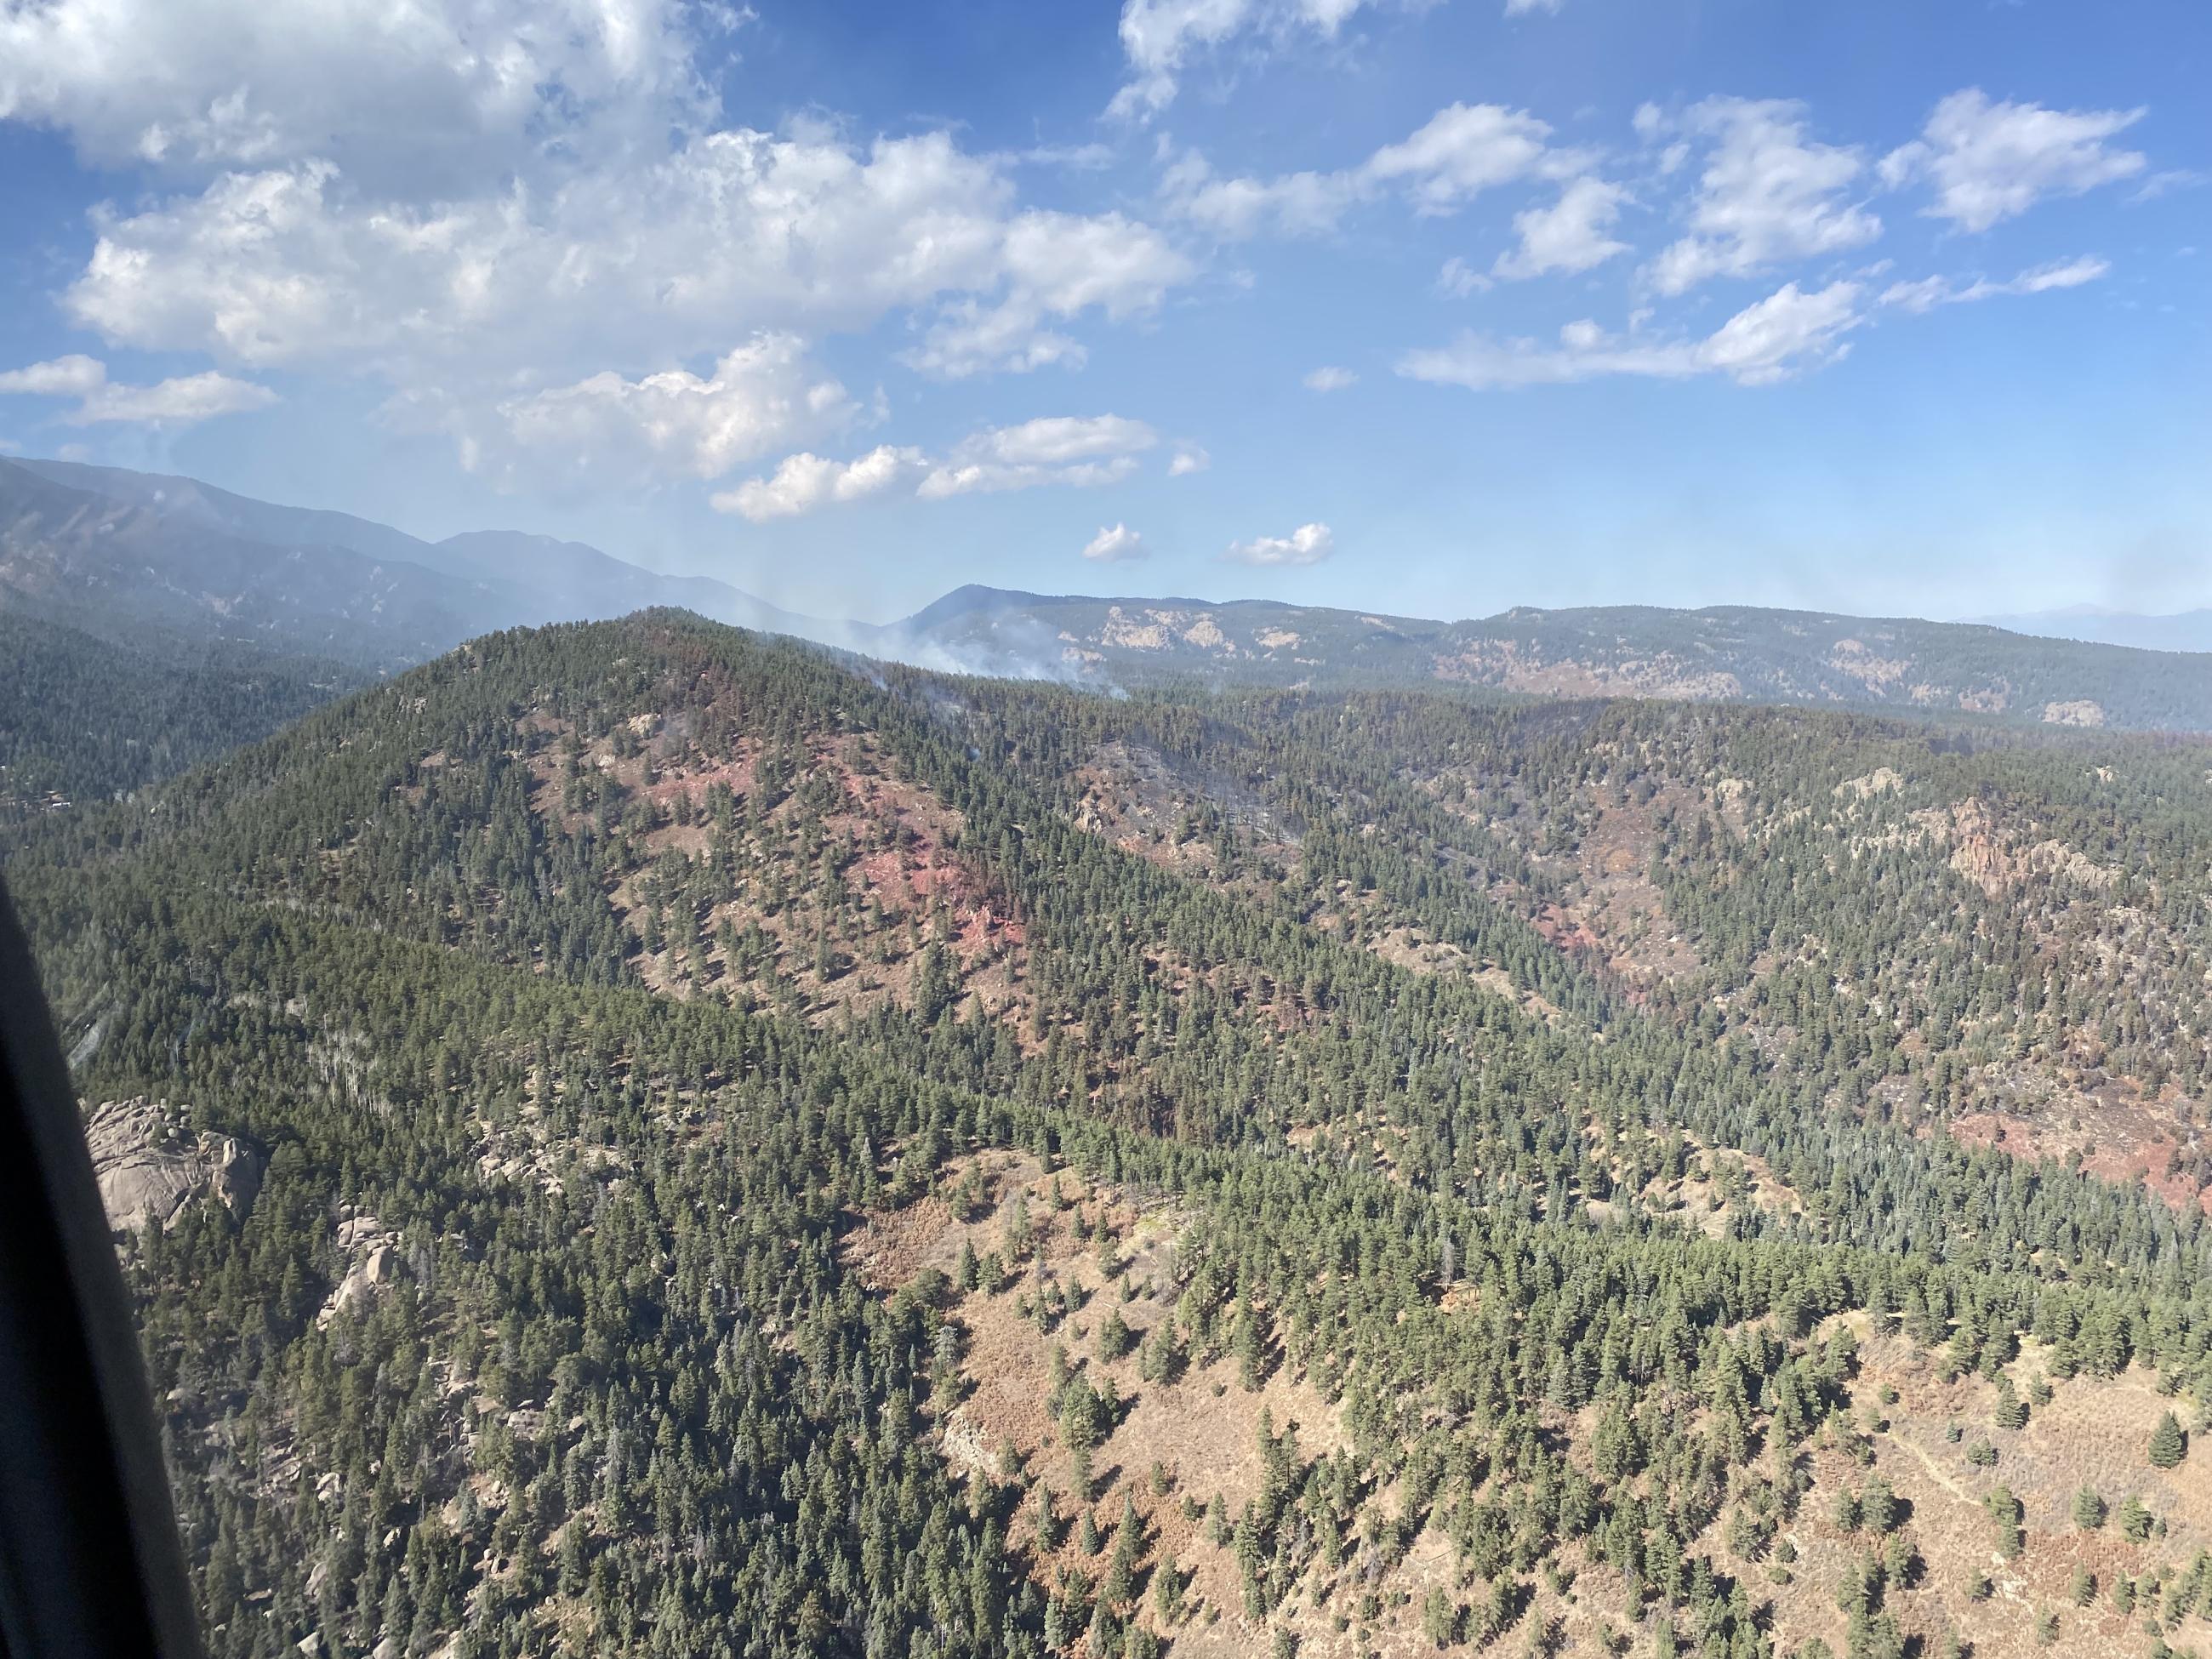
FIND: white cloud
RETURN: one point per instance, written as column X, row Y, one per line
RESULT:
column 1158, row 36
column 1330, row 378
column 1928, row 293
column 1056, row 265
column 1310, row 544
column 763, row 396
column 2065, row 273
column 397, row 93
column 177, row 401
column 1922, row 295
column 1237, row 209
column 1768, row 193
column 1188, row 460
column 1993, row 161
column 959, row 478
column 2164, row 183
column 732, row 234
column 1115, row 544
column 1522, row 8
column 1467, row 149
column 1065, row 449
column 1458, row 279
column 512, row 214
column 1161, row 38
column 1570, row 235
column 73, row 376
column 805, row 482
column 1058, row 439
column 1788, row 331
column 1459, row 152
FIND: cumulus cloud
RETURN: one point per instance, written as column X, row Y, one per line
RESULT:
column 1992, row 162
column 401, row 96
column 1573, row 234
column 1460, row 151
column 1467, row 149
column 1330, row 378
column 177, row 401
column 805, row 482
column 1068, row 449
column 532, row 219
column 1188, row 460
column 1310, row 544
column 1064, row 449
column 1784, row 334
column 1928, row 292
column 1115, row 544
column 1787, row 332
column 763, row 396
column 733, row 232
column 1238, row 210
column 1768, row 192
column 1057, row 265
column 1161, row 38
column 73, row 376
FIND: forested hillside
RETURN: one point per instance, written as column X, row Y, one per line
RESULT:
column 83, row 718
column 756, row 1152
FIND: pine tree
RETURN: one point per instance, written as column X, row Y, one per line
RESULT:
column 1114, row 1339
column 2134, row 1520
column 2167, row 1446
column 1441, row 1617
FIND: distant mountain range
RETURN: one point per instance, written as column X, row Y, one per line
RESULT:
column 124, row 556
column 106, row 549
column 1725, row 653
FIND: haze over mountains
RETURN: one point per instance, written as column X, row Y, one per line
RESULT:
column 198, row 581
column 104, row 547
column 2181, row 630
column 1723, row 653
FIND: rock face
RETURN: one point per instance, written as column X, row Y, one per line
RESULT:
column 151, row 1166
column 373, row 1253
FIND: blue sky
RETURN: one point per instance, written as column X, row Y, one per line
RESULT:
column 1435, row 308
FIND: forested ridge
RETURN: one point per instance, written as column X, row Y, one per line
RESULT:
column 1728, row 654
column 698, row 1078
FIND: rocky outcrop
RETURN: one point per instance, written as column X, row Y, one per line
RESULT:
column 1997, row 862
column 371, row 1252
column 152, row 1166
